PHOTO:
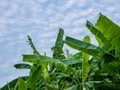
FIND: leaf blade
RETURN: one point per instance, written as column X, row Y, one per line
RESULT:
column 82, row 46
column 22, row 66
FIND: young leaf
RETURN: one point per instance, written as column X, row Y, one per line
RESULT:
column 57, row 49
column 32, row 46
column 45, row 72
column 85, row 64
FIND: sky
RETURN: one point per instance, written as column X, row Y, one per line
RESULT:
column 41, row 19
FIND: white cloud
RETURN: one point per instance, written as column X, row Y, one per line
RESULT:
column 41, row 1
column 69, row 3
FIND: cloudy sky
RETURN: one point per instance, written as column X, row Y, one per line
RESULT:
column 41, row 19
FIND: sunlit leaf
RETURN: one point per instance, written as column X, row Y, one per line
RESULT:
column 110, row 30
column 45, row 72
column 21, row 84
column 34, row 75
column 85, row 64
column 99, row 36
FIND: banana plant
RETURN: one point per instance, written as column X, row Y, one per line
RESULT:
column 93, row 67
column 105, row 56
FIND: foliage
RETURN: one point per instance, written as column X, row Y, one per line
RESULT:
column 91, row 68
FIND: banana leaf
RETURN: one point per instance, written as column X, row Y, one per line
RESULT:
column 34, row 75
column 71, row 62
column 110, row 30
column 22, row 66
column 85, row 64
column 97, row 33
column 58, row 48
column 21, row 85
column 35, row 59
column 82, row 46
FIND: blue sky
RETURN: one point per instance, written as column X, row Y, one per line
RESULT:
column 41, row 19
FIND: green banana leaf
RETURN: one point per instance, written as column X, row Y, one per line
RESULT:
column 22, row 66
column 45, row 72
column 58, row 48
column 35, row 59
column 21, row 85
column 110, row 30
column 71, row 62
column 30, row 42
column 41, row 63
column 82, row 46
column 34, row 76
column 97, row 33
